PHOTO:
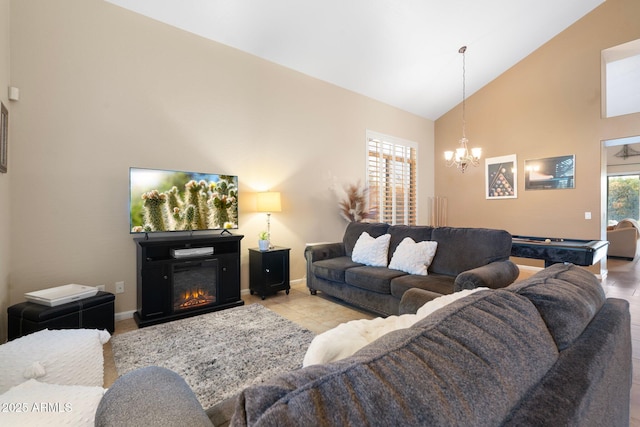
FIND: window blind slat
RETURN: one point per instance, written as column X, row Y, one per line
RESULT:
column 391, row 178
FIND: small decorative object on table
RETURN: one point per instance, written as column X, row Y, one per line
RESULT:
column 59, row 295
column 269, row 201
column 263, row 241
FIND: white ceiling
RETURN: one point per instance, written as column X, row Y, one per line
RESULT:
column 401, row 52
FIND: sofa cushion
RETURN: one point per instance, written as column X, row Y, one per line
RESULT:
column 475, row 355
column 628, row 223
column 413, row 257
column 567, row 298
column 333, row 268
column 589, row 384
column 375, row 279
column 438, row 283
column 371, row 250
column 355, row 229
column 419, row 233
column 480, row 246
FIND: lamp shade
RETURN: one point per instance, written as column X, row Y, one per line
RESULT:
column 269, row 201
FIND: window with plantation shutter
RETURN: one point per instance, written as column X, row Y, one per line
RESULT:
column 392, row 178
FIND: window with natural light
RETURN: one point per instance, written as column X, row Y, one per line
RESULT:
column 623, row 198
column 392, row 178
column 621, row 79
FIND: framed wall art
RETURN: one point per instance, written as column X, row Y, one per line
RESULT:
column 550, row 173
column 501, row 177
column 4, row 137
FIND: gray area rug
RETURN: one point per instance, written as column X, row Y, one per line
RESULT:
column 220, row 353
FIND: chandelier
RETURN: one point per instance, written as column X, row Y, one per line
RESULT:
column 463, row 157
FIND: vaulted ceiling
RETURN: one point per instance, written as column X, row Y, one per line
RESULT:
column 401, row 52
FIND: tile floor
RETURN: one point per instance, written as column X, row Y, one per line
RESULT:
column 623, row 281
column 320, row 313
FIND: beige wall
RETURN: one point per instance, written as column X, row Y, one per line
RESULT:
column 547, row 105
column 103, row 89
column 4, row 178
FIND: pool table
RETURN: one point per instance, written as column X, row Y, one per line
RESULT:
column 554, row 250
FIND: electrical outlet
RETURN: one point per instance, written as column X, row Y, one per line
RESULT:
column 100, row 288
column 119, row 287
column 587, row 215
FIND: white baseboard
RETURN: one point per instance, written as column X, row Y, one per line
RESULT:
column 124, row 315
column 298, row 282
column 293, row 283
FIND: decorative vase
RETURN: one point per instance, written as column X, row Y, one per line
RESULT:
column 263, row 245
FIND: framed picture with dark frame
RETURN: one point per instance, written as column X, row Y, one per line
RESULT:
column 4, row 137
column 501, row 177
column 550, row 173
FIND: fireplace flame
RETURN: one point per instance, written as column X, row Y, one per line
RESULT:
column 193, row 298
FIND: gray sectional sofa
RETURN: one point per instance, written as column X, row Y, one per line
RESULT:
column 465, row 258
column 547, row 351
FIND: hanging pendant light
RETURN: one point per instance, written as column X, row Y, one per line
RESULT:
column 463, row 157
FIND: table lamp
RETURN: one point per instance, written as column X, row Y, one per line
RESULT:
column 269, row 201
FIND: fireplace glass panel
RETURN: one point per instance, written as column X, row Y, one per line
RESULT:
column 195, row 284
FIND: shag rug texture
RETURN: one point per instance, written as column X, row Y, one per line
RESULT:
column 220, row 353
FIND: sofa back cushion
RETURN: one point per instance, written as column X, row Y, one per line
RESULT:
column 418, row 233
column 469, row 363
column 355, row 229
column 566, row 296
column 462, row 249
column 628, row 223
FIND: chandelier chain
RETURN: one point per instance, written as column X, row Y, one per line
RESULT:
column 463, row 157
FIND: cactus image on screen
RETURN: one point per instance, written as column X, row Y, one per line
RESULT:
column 163, row 200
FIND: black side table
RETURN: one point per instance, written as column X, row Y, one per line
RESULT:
column 269, row 271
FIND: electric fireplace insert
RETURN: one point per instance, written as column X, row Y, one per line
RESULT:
column 194, row 284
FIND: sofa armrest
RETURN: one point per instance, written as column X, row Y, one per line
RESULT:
column 321, row 251
column 151, row 396
column 622, row 242
column 498, row 274
column 415, row 298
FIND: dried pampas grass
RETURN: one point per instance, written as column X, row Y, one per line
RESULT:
column 355, row 205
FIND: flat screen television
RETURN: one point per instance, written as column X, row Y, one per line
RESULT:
column 168, row 200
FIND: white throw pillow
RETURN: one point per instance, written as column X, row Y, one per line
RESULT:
column 370, row 251
column 412, row 257
column 67, row 356
column 33, row 403
column 347, row 338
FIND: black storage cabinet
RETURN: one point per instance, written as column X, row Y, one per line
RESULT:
column 96, row 312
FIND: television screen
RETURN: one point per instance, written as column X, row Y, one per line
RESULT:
column 165, row 200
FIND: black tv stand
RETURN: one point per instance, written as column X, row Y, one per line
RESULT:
column 157, row 266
